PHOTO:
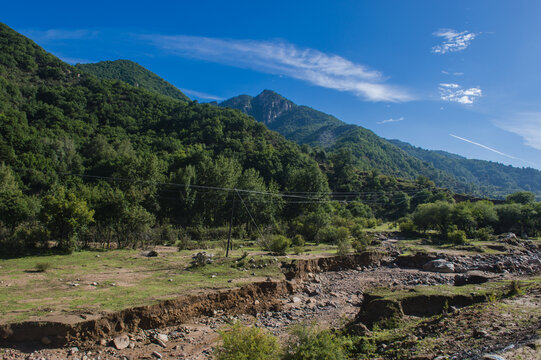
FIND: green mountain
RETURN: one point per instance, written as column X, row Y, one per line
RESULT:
column 122, row 149
column 305, row 125
column 133, row 74
column 493, row 177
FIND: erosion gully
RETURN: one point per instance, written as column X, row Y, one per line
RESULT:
column 327, row 290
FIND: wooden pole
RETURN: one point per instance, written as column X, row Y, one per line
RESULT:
column 230, row 225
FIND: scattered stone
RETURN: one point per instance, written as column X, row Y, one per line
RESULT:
column 121, row 342
column 296, row 300
column 73, row 350
column 157, row 355
column 439, row 265
column 492, row 357
column 162, row 337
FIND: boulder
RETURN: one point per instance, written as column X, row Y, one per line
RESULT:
column 121, row 341
column 472, row 277
column 439, row 265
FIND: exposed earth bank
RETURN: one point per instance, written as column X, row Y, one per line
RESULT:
column 335, row 292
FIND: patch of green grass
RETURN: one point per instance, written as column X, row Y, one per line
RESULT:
column 124, row 279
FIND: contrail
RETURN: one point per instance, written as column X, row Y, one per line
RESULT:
column 491, row 149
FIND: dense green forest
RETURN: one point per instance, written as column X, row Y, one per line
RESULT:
column 305, row 125
column 493, row 178
column 133, row 74
column 88, row 161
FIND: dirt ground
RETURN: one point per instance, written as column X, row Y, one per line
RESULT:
column 509, row 328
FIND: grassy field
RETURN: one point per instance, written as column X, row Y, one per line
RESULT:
column 96, row 281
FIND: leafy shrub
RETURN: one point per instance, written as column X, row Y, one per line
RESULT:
column 298, row 240
column 343, row 247
column 298, row 250
column 332, row 235
column 276, row 244
column 360, row 242
column 408, row 227
column 247, row 343
column 457, row 237
column 311, row 343
column 42, row 267
column 484, row 234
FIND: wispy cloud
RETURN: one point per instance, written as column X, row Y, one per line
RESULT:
column 60, row 34
column 453, row 40
column 391, row 120
column 455, row 93
column 452, row 73
column 202, row 95
column 526, row 125
column 282, row 58
column 491, row 149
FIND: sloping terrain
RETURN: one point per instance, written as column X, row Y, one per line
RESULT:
column 133, row 74
column 491, row 177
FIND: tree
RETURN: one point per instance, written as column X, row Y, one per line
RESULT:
column 521, row 197
column 15, row 207
column 435, row 216
column 65, row 216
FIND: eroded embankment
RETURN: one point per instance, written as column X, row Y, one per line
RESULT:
column 249, row 299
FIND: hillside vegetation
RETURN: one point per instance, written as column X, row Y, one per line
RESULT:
column 305, row 125
column 86, row 162
column 133, row 74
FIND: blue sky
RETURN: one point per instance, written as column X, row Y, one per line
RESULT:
column 459, row 76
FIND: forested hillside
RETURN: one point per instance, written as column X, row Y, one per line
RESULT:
column 134, row 74
column 491, row 177
column 78, row 151
column 305, row 125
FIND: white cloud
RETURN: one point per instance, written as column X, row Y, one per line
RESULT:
column 526, row 125
column 453, row 40
column 391, row 120
column 282, row 58
column 490, row 149
column 455, row 93
column 454, row 73
column 202, row 95
column 59, row 34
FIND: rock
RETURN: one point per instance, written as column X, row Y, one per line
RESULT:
column 151, row 253
column 103, row 342
column 296, row 300
column 94, row 283
column 157, row 355
column 473, row 277
column 439, row 265
column 162, row 337
column 46, row 340
column 121, row 342
column 492, row 357
column 73, row 350
column 159, row 342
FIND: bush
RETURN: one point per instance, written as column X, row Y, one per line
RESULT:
column 276, row 244
column 298, row 240
column 42, row 267
column 343, row 247
column 332, row 235
column 361, row 242
column 457, row 237
column 408, row 227
column 310, row 343
column 484, row 234
column 247, row 343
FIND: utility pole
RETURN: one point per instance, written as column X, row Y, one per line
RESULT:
column 230, row 225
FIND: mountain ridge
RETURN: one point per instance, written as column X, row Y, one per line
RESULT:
column 133, row 74
column 306, row 125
